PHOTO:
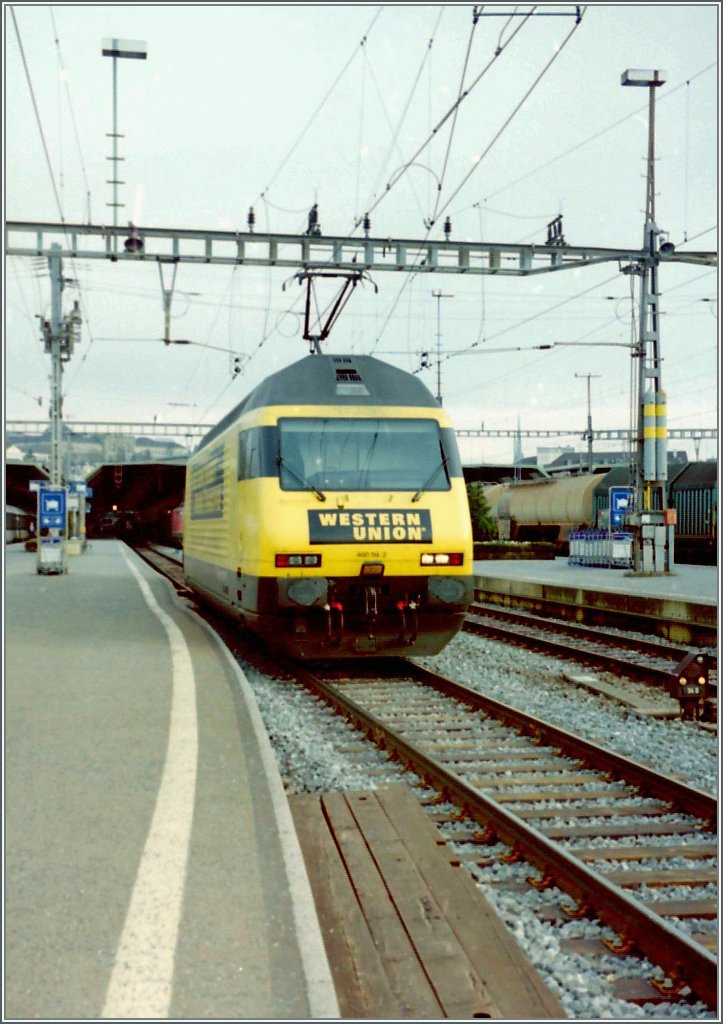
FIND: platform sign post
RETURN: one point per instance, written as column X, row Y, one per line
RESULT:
column 75, row 542
column 52, row 518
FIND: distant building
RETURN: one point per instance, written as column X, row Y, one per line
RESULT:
column 118, row 447
column 576, row 463
column 547, row 456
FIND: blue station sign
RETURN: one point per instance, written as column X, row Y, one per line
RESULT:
column 80, row 487
column 52, row 507
column 621, row 504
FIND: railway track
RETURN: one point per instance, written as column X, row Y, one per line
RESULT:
column 567, row 807
column 652, row 662
column 648, row 661
column 700, row 634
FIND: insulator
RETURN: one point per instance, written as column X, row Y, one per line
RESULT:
column 251, row 218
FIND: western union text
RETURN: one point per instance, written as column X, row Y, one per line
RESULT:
column 360, row 525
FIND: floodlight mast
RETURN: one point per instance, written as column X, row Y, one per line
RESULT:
column 135, row 50
column 653, row 533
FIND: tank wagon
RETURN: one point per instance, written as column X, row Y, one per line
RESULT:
column 549, row 509
column 328, row 512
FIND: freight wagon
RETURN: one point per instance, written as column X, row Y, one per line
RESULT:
column 549, row 509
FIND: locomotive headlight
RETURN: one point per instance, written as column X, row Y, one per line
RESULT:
column 442, row 558
column 294, row 561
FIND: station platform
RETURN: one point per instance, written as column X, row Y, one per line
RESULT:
column 152, row 867
column 681, row 606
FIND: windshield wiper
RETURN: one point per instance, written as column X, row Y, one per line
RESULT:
column 430, row 479
column 281, row 461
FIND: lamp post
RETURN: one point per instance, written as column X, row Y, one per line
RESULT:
column 135, row 50
column 651, row 523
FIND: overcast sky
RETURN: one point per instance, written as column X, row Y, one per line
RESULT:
column 278, row 107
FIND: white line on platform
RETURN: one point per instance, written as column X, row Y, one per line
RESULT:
column 321, row 991
column 141, row 984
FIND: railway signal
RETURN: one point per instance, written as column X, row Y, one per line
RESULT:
column 691, row 686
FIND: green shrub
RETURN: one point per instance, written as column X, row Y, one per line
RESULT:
column 484, row 525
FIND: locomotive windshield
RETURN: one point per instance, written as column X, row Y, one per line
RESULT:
column 362, row 455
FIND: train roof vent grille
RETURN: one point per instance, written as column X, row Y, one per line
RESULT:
column 344, row 376
column 349, row 382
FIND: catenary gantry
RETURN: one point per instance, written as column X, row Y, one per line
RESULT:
column 198, row 430
column 314, row 252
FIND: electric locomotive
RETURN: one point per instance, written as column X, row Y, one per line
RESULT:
column 328, row 512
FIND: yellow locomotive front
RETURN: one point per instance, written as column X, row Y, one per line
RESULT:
column 372, row 553
column 348, row 521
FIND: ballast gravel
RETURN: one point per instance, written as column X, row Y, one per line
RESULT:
column 536, row 684
column 318, row 752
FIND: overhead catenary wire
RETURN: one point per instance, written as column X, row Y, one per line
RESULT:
column 395, row 143
column 483, row 305
column 450, row 139
column 26, row 313
column 38, row 120
column 517, row 370
column 36, row 398
column 450, row 112
column 359, row 46
column 266, row 333
column 391, row 311
column 482, row 284
column 56, row 193
column 514, row 113
column 403, row 116
column 687, row 162
column 454, row 106
column 182, row 341
column 548, row 309
column 218, row 309
column 596, row 135
column 362, row 102
column 700, row 234
column 59, row 116
column 71, row 109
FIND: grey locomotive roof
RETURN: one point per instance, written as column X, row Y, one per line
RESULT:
column 332, row 380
